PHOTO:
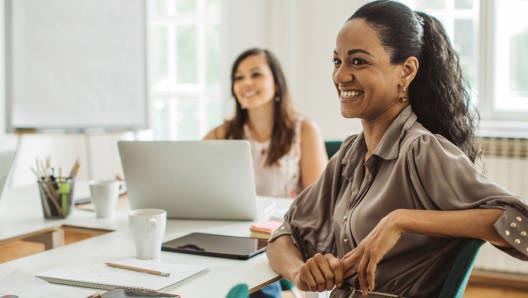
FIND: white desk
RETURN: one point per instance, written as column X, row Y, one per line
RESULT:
column 21, row 214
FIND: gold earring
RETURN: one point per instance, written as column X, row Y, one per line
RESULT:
column 403, row 98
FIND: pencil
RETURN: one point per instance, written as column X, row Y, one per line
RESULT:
column 138, row 269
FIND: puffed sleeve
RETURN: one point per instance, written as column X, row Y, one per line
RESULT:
column 309, row 219
column 445, row 179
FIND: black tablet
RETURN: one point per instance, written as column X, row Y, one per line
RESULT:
column 231, row 247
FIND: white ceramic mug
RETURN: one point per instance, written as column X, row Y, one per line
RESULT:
column 148, row 227
column 104, row 194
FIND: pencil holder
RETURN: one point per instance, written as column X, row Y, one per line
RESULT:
column 56, row 197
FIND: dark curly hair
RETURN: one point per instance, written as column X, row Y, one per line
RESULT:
column 438, row 94
column 283, row 131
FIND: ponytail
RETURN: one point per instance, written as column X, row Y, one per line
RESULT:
column 438, row 94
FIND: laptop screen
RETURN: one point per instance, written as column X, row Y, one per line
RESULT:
column 191, row 179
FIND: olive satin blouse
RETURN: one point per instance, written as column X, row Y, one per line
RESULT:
column 411, row 168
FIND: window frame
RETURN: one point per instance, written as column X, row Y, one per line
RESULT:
column 493, row 122
column 172, row 91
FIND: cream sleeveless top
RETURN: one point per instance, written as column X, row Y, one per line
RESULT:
column 282, row 179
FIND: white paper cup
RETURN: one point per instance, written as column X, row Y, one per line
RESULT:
column 104, row 194
column 148, row 228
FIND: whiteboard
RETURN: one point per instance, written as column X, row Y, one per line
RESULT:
column 76, row 64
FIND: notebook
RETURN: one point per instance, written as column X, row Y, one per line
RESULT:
column 101, row 276
column 265, row 227
column 263, row 230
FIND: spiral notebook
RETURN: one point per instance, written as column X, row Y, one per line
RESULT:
column 101, row 276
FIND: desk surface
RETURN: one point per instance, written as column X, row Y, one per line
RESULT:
column 20, row 214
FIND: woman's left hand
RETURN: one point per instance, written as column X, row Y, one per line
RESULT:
column 369, row 252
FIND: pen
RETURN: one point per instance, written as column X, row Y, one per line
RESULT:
column 138, row 269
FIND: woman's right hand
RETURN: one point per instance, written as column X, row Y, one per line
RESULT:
column 320, row 273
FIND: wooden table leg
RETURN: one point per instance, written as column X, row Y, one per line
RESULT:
column 50, row 239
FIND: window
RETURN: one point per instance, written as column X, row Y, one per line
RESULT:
column 491, row 38
column 184, row 67
column 461, row 22
column 511, row 56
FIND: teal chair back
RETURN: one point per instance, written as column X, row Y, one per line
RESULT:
column 457, row 279
column 239, row 291
column 332, row 147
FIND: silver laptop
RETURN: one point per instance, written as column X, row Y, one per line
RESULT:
column 191, row 179
column 6, row 160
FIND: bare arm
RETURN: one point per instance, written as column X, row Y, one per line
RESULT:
column 285, row 258
column 472, row 223
column 313, row 153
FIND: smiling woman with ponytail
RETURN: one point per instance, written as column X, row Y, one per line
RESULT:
column 395, row 203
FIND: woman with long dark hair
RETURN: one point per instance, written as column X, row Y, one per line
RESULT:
column 394, row 204
column 287, row 149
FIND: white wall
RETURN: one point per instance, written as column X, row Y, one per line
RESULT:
column 244, row 26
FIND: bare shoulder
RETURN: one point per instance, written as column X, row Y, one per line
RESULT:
column 310, row 129
column 217, row 133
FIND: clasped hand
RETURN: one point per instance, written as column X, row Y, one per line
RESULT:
column 325, row 271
